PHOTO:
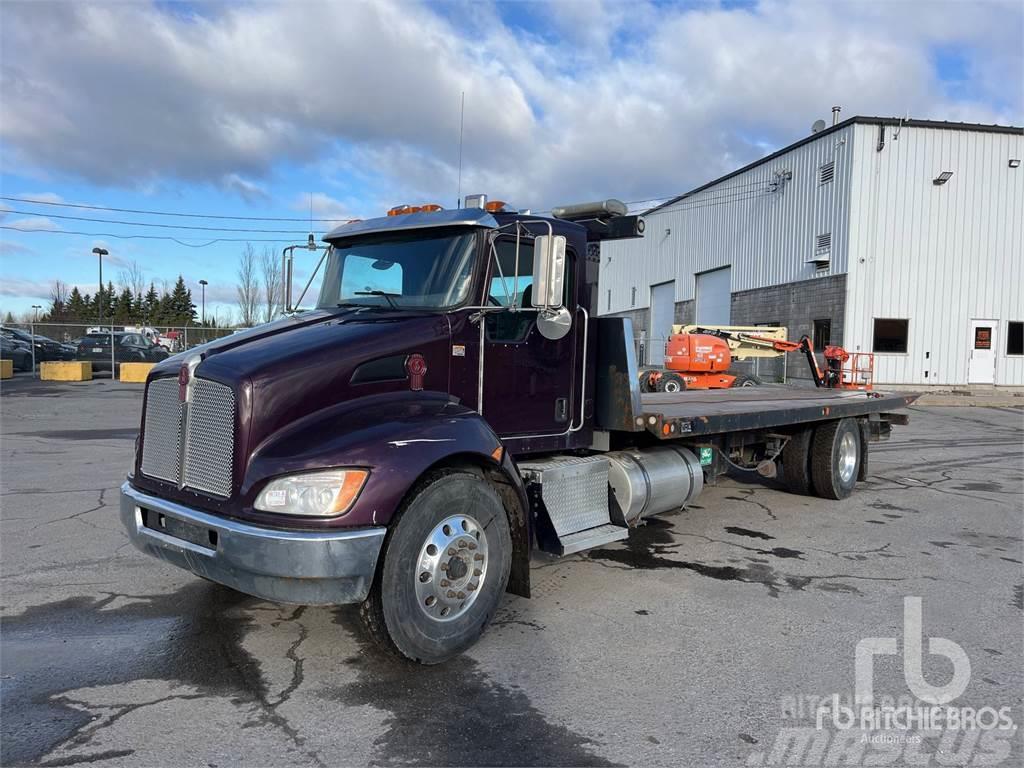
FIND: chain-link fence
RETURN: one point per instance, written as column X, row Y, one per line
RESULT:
column 106, row 346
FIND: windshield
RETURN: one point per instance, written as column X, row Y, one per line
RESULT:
column 414, row 270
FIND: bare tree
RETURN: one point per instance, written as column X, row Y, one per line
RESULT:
column 58, row 297
column 133, row 278
column 248, row 286
column 271, row 268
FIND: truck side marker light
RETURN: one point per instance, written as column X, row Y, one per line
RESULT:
column 497, row 453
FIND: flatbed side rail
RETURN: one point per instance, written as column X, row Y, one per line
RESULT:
column 674, row 420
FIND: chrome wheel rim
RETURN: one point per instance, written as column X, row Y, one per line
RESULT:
column 452, row 567
column 672, row 386
column 747, row 383
column 847, row 457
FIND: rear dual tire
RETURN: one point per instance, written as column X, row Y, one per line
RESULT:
column 824, row 461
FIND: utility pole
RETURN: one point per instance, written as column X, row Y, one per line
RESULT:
column 100, row 252
column 203, row 283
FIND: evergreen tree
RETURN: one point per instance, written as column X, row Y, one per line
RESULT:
column 180, row 304
column 123, row 307
column 8, row 318
column 150, row 304
column 78, row 307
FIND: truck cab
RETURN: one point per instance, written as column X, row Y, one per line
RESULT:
column 448, row 405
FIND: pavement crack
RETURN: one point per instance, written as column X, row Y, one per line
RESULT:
column 297, row 661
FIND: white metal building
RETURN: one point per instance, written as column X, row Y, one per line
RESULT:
column 901, row 237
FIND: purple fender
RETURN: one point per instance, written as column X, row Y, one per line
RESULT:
column 398, row 437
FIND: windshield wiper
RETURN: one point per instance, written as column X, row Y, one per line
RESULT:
column 389, row 297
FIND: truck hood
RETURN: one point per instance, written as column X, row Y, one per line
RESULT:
column 287, row 370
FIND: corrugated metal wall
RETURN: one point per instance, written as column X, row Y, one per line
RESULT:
column 765, row 236
column 936, row 255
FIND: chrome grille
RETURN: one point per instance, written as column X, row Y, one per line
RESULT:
column 161, row 454
column 210, row 438
column 192, row 446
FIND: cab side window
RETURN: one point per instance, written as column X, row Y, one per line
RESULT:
column 505, row 289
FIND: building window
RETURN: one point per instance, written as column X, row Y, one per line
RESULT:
column 827, row 172
column 822, row 334
column 890, row 335
column 1015, row 338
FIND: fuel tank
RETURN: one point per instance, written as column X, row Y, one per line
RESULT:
column 650, row 481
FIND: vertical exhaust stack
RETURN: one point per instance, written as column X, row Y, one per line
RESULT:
column 835, row 114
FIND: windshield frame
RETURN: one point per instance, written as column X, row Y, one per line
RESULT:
column 395, row 303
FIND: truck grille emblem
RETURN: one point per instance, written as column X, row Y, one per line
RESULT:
column 183, row 376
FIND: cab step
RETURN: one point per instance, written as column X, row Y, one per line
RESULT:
column 569, row 496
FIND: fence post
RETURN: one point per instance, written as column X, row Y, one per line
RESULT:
column 32, row 333
column 113, row 363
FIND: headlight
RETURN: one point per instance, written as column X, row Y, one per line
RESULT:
column 314, row 494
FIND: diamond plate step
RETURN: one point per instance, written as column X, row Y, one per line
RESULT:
column 574, row 490
column 592, row 537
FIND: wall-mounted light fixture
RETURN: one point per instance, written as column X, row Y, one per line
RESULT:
column 942, row 178
column 1015, row 162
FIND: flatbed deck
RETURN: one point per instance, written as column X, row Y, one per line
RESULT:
column 714, row 411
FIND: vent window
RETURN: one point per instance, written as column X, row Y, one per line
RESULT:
column 827, row 172
column 823, row 244
column 633, row 297
column 1015, row 338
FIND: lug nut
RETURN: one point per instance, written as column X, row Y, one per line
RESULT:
column 445, row 582
column 462, row 544
column 462, row 595
column 471, row 588
column 451, row 550
column 444, row 567
column 451, row 593
column 477, row 572
column 472, row 545
column 478, row 556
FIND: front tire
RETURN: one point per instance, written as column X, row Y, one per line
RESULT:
column 745, row 380
column 835, row 458
column 671, row 382
column 444, row 567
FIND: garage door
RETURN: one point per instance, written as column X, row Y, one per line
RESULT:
column 714, row 300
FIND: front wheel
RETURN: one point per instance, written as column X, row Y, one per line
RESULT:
column 745, row 380
column 671, row 382
column 445, row 565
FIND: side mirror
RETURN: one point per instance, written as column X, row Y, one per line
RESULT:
column 548, row 271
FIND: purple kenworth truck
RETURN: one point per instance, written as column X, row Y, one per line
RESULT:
column 449, row 405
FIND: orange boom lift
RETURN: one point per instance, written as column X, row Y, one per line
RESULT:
column 699, row 358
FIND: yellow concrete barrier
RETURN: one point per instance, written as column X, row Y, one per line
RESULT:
column 66, row 371
column 6, row 369
column 135, row 372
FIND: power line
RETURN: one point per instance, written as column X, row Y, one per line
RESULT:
column 144, row 237
column 161, row 226
column 159, row 213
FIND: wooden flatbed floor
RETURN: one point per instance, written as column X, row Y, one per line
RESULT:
column 712, row 411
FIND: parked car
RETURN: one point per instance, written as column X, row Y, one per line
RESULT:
column 46, row 348
column 128, row 348
column 17, row 352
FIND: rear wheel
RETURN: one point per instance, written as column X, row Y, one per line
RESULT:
column 745, row 380
column 796, row 463
column 671, row 382
column 646, row 383
column 444, row 567
column 835, row 458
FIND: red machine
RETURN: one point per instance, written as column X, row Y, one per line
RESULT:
column 701, row 361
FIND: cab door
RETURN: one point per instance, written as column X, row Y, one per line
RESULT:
column 528, row 379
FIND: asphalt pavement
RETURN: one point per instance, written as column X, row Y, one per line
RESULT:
column 708, row 638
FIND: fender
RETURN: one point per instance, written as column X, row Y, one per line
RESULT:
column 398, row 437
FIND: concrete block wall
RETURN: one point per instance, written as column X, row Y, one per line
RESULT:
column 795, row 306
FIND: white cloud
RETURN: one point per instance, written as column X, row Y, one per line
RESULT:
column 632, row 100
column 33, row 224
column 21, row 288
column 41, row 197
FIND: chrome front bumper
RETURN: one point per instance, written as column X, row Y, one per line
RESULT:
column 304, row 567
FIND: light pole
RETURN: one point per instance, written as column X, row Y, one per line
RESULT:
column 35, row 313
column 203, row 283
column 100, row 252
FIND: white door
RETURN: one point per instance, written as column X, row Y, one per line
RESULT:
column 981, row 366
column 714, row 297
column 663, row 311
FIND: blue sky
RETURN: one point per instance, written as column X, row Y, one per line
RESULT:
column 197, row 108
